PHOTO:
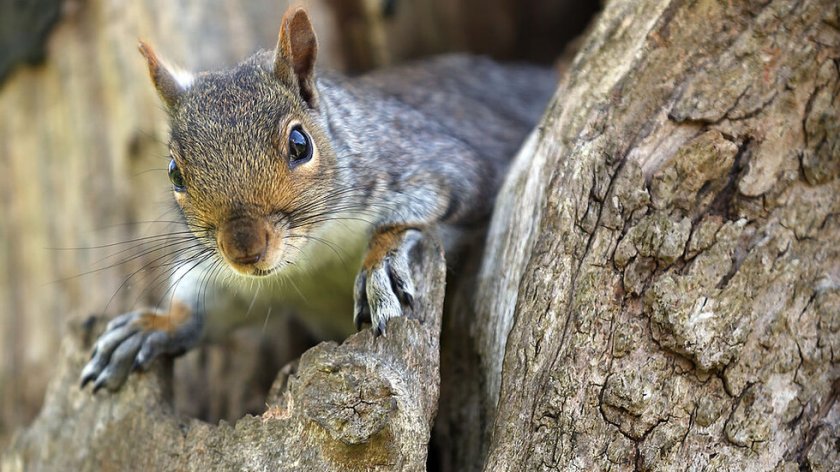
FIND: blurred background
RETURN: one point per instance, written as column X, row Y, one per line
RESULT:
column 83, row 155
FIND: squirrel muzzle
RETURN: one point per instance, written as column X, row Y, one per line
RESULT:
column 244, row 241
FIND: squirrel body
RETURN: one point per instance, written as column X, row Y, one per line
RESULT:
column 297, row 180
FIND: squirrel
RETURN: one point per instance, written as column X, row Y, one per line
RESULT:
column 284, row 176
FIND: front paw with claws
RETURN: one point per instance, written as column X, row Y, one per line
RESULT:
column 133, row 340
column 384, row 285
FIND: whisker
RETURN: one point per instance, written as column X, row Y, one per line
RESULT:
column 174, row 285
column 177, row 263
column 127, row 279
column 267, row 315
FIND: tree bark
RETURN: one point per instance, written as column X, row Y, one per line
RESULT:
column 664, row 252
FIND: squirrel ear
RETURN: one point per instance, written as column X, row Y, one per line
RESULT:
column 171, row 85
column 294, row 59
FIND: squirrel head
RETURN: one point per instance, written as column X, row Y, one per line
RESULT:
column 251, row 163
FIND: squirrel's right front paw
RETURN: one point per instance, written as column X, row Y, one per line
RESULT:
column 133, row 340
column 384, row 284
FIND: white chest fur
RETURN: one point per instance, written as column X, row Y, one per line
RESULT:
column 318, row 287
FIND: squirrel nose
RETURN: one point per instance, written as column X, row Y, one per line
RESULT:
column 244, row 240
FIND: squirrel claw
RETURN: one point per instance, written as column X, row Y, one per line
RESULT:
column 98, row 385
column 127, row 345
column 86, row 378
column 379, row 329
column 385, row 287
column 361, row 311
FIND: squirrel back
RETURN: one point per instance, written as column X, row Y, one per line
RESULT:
column 489, row 105
column 472, row 101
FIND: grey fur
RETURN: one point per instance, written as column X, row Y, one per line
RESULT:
column 449, row 124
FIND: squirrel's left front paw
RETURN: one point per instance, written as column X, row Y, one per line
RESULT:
column 133, row 340
column 384, row 284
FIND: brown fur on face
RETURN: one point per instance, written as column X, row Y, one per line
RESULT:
column 230, row 138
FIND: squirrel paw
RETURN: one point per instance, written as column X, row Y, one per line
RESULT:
column 133, row 340
column 384, row 284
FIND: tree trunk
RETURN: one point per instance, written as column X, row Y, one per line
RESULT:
column 659, row 288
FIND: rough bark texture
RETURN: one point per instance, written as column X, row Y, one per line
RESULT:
column 665, row 252
column 367, row 404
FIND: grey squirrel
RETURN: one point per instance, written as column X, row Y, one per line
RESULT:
column 290, row 178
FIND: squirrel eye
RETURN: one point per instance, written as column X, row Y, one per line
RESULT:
column 300, row 149
column 175, row 177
